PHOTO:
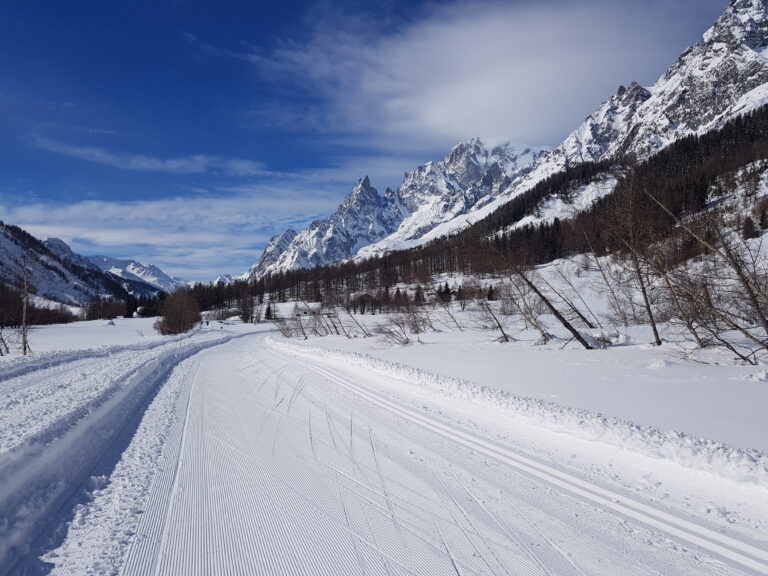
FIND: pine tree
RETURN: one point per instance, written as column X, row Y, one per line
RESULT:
column 748, row 228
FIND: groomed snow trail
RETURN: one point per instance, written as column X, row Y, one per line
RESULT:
column 278, row 464
column 63, row 419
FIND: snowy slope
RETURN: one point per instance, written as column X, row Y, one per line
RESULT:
column 134, row 271
column 722, row 76
column 55, row 272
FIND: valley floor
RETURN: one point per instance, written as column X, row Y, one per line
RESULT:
column 235, row 451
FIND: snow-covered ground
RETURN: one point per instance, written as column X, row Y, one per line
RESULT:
column 236, row 451
column 68, row 411
column 708, row 397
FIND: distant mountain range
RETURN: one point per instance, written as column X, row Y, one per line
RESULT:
column 722, row 76
column 57, row 273
column 132, row 271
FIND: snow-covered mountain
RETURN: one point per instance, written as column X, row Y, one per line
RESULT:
column 363, row 218
column 54, row 272
column 469, row 176
column 227, row 279
column 720, row 77
column 134, row 271
column 57, row 273
column 723, row 75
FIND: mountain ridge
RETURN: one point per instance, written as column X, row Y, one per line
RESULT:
column 723, row 75
column 55, row 272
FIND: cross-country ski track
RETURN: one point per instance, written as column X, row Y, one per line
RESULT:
column 252, row 457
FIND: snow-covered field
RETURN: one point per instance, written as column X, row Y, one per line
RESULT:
column 236, row 451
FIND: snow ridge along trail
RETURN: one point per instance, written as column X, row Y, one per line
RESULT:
column 61, row 419
column 735, row 551
column 280, row 463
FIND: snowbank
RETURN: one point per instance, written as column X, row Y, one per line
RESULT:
column 744, row 465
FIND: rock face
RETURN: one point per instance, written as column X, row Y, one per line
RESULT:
column 720, row 77
column 363, row 218
column 707, row 85
column 470, row 176
column 432, row 194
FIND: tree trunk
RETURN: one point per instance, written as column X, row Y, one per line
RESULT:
column 568, row 326
column 646, row 300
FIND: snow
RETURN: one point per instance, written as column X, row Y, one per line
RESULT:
column 752, row 100
column 233, row 450
column 634, row 384
column 269, row 456
column 579, row 200
column 64, row 413
column 92, row 334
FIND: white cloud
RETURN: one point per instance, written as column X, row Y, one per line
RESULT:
column 525, row 71
column 195, row 164
column 195, row 237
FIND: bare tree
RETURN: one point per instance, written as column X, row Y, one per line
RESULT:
column 520, row 273
column 718, row 240
column 608, row 286
column 180, row 313
column 629, row 228
column 24, row 279
column 446, row 304
column 518, row 298
column 395, row 329
column 488, row 318
column 568, row 300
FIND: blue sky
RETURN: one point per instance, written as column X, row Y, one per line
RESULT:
column 187, row 133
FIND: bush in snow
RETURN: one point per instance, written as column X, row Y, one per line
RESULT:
column 180, row 313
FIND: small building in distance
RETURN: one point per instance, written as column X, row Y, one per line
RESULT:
column 291, row 310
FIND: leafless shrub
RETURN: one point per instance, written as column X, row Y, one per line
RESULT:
column 395, row 329
column 488, row 319
column 180, row 313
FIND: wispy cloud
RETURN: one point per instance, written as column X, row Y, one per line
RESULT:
column 195, row 164
column 526, row 71
column 196, row 237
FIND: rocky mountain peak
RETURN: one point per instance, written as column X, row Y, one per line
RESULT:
column 362, row 191
column 633, row 95
column 465, row 154
column 58, row 247
column 743, row 22
column 64, row 252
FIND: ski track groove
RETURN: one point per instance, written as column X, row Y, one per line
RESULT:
column 75, row 411
column 720, row 545
column 251, row 481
